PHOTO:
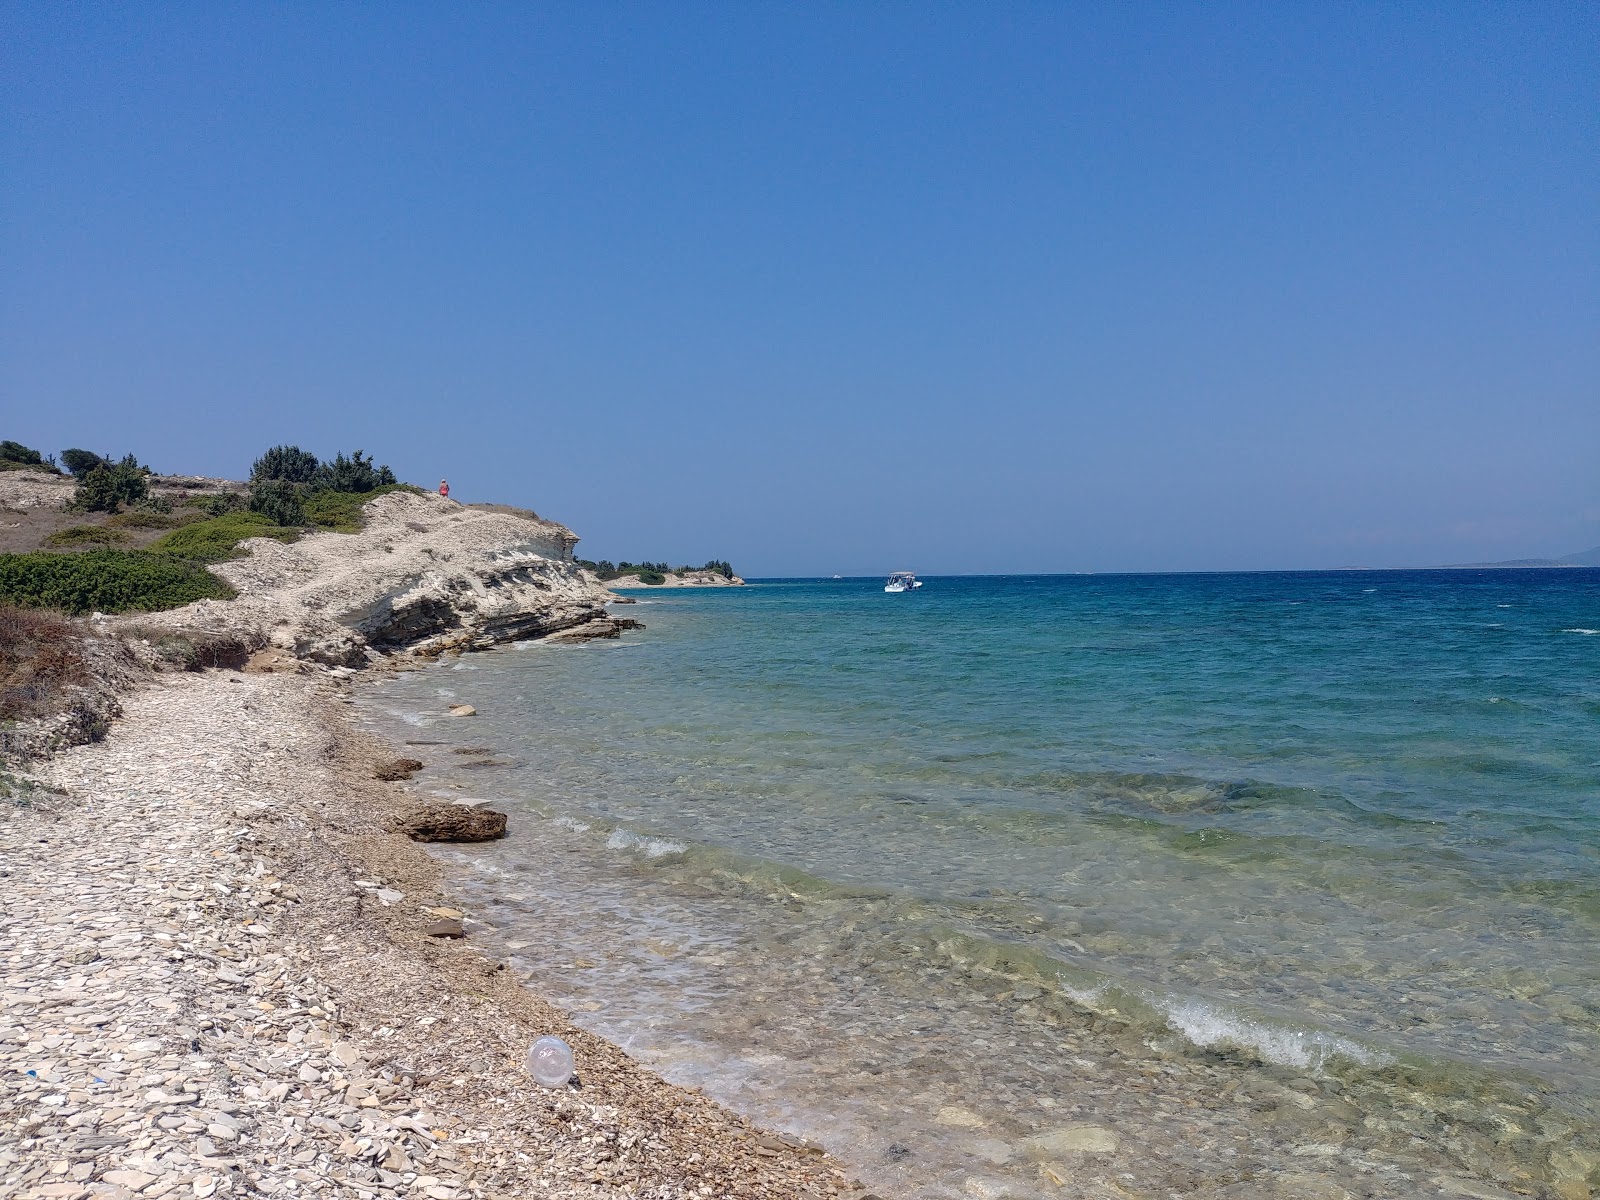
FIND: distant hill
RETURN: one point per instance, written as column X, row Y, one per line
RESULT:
column 1584, row 558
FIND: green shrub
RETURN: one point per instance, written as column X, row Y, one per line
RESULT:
column 106, row 486
column 81, row 462
column 278, row 501
column 217, row 539
column 651, row 577
column 220, row 504
column 153, row 503
column 106, row 581
column 86, row 535
column 355, row 474
column 138, row 518
column 289, row 464
column 341, row 511
column 17, row 455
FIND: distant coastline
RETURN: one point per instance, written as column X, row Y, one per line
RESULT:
column 675, row 579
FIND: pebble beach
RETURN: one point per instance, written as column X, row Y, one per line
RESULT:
column 215, row 981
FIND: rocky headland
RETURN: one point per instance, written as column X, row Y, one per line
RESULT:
column 227, row 971
column 424, row 575
column 675, row 579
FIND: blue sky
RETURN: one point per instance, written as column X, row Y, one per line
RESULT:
column 836, row 288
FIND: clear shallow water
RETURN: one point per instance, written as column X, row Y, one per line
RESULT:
column 937, row 876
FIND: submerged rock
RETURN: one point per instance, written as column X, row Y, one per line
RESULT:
column 1075, row 1139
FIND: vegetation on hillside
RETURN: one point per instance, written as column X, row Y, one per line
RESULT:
column 340, row 512
column 653, row 573
column 109, row 581
column 108, row 486
column 285, row 464
column 40, row 656
column 81, row 462
column 278, row 501
column 290, row 464
column 14, row 456
column 217, row 539
column 293, row 487
column 86, row 535
column 292, row 490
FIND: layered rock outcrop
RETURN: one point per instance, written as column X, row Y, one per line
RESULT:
column 424, row 574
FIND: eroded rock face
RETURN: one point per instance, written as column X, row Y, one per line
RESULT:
column 425, row 574
column 453, row 823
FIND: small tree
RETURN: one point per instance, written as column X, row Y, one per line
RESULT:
column 97, row 491
column 104, row 487
column 278, row 501
column 81, row 462
column 288, row 463
column 132, row 481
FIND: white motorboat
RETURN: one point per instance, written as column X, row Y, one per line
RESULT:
column 902, row 581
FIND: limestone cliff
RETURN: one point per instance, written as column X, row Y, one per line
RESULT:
column 425, row 573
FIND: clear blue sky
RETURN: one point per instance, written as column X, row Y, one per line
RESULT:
column 818, row 288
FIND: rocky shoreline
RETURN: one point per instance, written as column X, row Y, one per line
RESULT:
column 223, row 969
column 217, row 981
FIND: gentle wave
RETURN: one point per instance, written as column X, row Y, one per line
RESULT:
column 650, row 847
column 1209, row 1025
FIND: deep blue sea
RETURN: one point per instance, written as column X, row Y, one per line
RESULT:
column 1247, row 874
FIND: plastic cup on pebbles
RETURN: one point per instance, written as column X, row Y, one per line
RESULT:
column 549, row 1061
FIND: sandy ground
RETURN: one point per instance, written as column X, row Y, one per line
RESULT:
column 214, row 980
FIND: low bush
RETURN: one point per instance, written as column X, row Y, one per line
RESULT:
column 41, row 653
column 138, row 518
column 278, row 501
column 86, row 535
column 107, row 581
column 217, row 538
column 153, row 503
column 220, row 504
column 341, row 511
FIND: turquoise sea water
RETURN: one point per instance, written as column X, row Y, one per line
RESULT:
column 1224, row 866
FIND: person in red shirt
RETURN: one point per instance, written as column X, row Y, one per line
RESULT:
column 444, row 487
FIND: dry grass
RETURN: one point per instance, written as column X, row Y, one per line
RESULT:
column 41, row 657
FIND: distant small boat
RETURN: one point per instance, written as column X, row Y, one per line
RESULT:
column 838, row 576
column 902, row 581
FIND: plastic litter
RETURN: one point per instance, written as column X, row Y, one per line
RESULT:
column 549, row 1061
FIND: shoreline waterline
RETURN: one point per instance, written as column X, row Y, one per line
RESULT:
column 760, row 908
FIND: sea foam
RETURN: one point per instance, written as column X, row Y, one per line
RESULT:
column 622, row 839
column 1207, row 1025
